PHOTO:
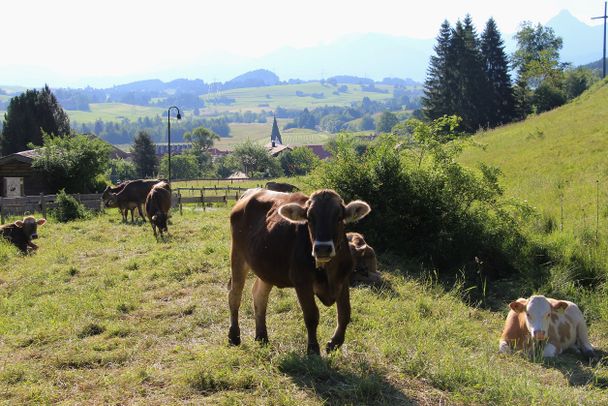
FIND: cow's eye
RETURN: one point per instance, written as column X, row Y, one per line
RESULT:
column 547, row 315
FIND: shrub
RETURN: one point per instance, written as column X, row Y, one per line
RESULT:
column 68, row 208
column 424, row 204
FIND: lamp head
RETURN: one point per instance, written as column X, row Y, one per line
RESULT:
column 179, row 116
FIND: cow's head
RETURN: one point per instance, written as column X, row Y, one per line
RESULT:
column 29, row 225
column 111, row 200
column 160, row 221
column 538, row 314
column 325, row 214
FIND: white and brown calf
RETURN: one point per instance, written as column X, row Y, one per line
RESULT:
column 559, row 324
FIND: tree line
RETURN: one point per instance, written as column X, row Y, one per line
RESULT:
column 470, row 75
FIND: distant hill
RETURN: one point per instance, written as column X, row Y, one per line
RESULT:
column 582, row 43
column 596, row 66
column 256, row 78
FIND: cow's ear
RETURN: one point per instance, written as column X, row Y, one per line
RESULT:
column 560, row 306
column 154, row 217
column 293, row 212
column 519, row 305
column 41, row 222
column 355, row 211
column 19, row 223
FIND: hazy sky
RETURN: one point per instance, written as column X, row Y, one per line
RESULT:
column 112, row 38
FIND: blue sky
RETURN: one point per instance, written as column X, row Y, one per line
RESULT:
column 73, row 39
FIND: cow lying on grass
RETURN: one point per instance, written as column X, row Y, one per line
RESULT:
column 364, row 258
column 158, row 204
column 21, row 233
column 558, row 324
column 292, row 240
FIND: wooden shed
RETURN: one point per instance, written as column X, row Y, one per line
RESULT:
column 17, row 178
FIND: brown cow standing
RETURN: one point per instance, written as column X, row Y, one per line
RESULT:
column 106, row 196
column 292, row 240
column 158, row 204
column 281, row 187
column 21, row 233
column 133, row 195
column 364, row 257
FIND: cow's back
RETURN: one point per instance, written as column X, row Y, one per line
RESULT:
column 158, row 199
column 15, row 235
column 266, row 241
column 136, row 190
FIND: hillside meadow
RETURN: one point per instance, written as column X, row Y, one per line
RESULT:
column 103, row 313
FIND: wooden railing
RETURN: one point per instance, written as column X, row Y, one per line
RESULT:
column 205, row 195
column 17, row 206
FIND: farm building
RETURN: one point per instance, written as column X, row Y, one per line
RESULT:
column 275, row 147
column 18, row 178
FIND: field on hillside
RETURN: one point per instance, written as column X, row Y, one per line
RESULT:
column 555, row 157
column 103, row 313
column 260, row 133
column 114, row 112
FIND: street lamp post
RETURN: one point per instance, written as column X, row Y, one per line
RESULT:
column 179, row 116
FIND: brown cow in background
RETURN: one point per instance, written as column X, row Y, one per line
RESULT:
column 158, row 204
column 132, row 195
column 22, row 232
column 292, row 240
column 364, row 257
column 281, row 187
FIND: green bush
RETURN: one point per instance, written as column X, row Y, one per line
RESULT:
column 424, row 204
column 68, row 208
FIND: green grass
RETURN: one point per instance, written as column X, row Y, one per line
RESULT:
column 102, row 313
column 114, row 112
column 553, row 156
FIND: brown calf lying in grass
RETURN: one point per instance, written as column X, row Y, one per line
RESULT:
column 21, row 233
column 364, row 257
column 558, row 324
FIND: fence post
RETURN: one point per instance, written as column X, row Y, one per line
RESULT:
column 1, row 212
column 43, row 204
column 179, row 200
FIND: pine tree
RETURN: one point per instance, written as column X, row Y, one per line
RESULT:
column 501, row 102
column 28, row 116
column 144, row 155
column 436, row 101
column 470, row 82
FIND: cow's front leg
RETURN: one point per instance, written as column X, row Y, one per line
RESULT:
column 550, row 351
column 306, row 297
column 343, row 305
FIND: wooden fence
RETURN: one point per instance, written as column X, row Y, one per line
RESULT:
column 17, row 206
column 205, row 195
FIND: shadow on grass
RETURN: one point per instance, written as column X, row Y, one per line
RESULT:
column 578, row 370
column 339, row 386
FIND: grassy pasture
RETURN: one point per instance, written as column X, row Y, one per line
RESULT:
column 555, row 156
column 103, row 313
column 114, row 112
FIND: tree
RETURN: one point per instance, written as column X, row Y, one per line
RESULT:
column 306, row 120
column 299, row 161
column 144, row 155
column 436, row 101
column 501, row 103
column 386, row 122
column 202, row 140
column 120, row 170
column 28, row 116
column 254, row 160
column 73, row 163
column 367, row 123
column 183, row 166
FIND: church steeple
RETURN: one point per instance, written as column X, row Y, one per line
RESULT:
column 275, row 136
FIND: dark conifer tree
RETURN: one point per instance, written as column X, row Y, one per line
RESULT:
column 144, row 155
column 500, row 100
column 27, row 116
column 436, row 101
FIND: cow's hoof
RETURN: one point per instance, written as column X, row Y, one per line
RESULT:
column 332, row 346
column 313, row 349
column 262, row 338
column 234, row 337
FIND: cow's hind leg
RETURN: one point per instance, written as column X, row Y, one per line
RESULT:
column 343, row 305
column 583, row 340
column 306, row 298
column 141, row 213
column 237, row 283
column 260, row 291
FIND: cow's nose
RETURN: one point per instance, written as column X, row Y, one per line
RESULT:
column 323, row 250
column 539, row 335
column 34, row 236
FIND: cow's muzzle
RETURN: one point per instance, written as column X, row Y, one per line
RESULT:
column 34, row 236
column 539, row 335
column 323, row 251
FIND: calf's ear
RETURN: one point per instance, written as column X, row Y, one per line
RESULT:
column 19, row 223
column 41, row 222
column 519, row 305
column 560, row 306
column 293, row 212
column 356, row 210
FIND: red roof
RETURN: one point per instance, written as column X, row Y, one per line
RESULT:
column 319, row 150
